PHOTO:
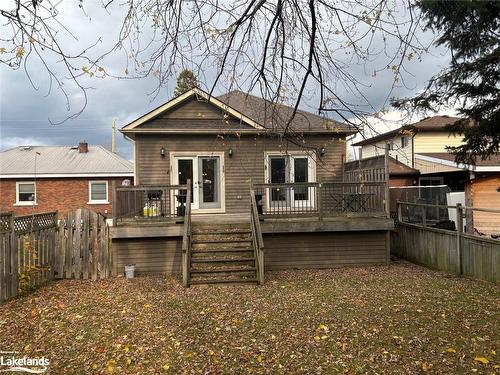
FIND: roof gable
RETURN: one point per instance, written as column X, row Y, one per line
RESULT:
column 195, row 114
column 193, row 95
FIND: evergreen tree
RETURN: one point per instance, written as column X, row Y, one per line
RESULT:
column 185, row 82
column 471, row 30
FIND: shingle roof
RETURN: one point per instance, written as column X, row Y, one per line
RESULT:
column 275, row 116
column 62, row 160
column 430, row 124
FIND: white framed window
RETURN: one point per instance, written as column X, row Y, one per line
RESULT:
column 404, row 142
column 98, row 192
column 25, row 193
column 292, row 168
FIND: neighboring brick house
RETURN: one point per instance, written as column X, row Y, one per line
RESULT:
column 62, row 178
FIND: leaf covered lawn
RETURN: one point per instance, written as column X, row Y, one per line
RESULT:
column 401, row 319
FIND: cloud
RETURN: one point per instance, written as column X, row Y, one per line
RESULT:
column 25, row 112
column 11, row 142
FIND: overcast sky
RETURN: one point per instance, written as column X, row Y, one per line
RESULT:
column 25, row 111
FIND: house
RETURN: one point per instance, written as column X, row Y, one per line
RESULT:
column 425, row 136
column 62, row 178
column 224, row 154
column 480, row 183
column 423, row 147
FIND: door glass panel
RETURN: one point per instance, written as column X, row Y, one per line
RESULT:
column 185, row 168
column 185, row 173
column 278, row 175
column 301, row 174
column 210, row 182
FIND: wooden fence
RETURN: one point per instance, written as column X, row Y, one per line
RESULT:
column 83, row 250
column 36, row 248
column 452, row 251
column 27, row 246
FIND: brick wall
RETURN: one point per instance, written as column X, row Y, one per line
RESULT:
column 61, row 194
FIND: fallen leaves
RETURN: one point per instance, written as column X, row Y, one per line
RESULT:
column 482, row 360
column 362, row 320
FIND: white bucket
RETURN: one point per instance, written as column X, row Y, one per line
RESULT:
column 129, row 271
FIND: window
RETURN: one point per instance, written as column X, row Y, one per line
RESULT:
column 295, row 169
column 98, row 192
column 25, row 193
column 404, row 142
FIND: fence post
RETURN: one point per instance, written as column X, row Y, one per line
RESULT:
column 424, row 216
column 14, row 259
column 459, row 237
column 400, row 211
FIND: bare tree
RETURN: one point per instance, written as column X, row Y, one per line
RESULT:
column 282, row 48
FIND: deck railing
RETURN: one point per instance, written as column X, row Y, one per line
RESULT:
column 149, row 203
column 320, row 199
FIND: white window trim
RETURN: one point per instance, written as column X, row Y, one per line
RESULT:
column 101, row 201
column 20, row 203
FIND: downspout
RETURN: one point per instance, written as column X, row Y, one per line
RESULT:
column 413, row 150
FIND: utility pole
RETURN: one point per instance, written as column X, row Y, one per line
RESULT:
column 113, row 133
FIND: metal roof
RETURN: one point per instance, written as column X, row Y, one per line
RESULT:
column 63, row 161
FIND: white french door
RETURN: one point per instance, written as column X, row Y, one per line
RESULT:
column 286, row 169
column 206, row 175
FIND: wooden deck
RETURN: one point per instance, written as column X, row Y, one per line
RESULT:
column 173, row 227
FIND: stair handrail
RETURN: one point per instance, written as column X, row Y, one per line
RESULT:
column 186, row 240
column 257, row 235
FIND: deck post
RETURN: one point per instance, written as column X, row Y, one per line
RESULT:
column 113, row 188
column 400, row 211
column 319, row 194
column 460, row 225
column 386, row 177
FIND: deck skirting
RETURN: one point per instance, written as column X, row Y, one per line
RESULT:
column 162, row 255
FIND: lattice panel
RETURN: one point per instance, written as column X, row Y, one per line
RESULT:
column 5, row 222
column 34, row 222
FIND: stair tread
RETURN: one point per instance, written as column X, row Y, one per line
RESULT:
column 217, row 270
column 204, row 233
column 197, row 260
column 223, row 281
column 223, row 241
column 222, row 250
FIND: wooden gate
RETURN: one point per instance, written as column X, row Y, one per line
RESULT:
column 27, row 246
column 83, row 250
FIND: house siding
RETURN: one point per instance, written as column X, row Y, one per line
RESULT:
column 435, row 142
column 246, row 164
column 484, row 193
column 402, row 154
column 324, row 250
column 149, row 255
column 282, row 251
column 61, row 194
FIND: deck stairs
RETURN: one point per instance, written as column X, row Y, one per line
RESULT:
column 222, row 253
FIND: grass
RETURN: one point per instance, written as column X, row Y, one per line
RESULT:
column 401, row 319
